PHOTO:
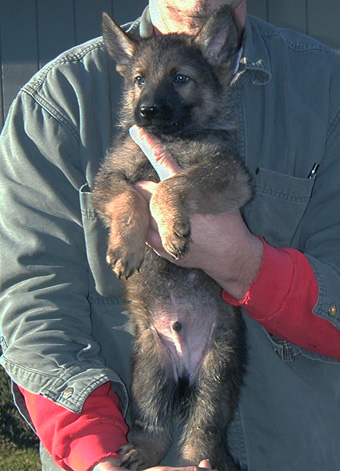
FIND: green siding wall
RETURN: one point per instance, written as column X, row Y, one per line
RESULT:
column 318, row 18
column 33, row 32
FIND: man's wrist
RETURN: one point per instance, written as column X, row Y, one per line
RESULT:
column 246, row 269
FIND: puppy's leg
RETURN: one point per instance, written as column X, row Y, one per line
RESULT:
column 172, row 219
column 128, row 225
column 205, row 433
column 219, row 185
column 215, row 397
column 124, row 211
column 152, row 408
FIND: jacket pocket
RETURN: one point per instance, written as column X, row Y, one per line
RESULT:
column 105, row 282
column 278, row 206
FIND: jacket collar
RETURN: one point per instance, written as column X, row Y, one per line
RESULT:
column 142, row 26
column 255, row 57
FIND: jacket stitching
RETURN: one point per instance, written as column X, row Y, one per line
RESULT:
column 309, row 44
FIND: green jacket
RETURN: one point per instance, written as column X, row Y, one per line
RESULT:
column 60, row 305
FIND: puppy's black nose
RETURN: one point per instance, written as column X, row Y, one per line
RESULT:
column 148, row 112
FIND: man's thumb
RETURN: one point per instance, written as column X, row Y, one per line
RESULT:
column 154, row 151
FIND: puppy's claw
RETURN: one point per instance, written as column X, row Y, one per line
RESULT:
column 177, row 249
column 124, row 262
column 125, row 269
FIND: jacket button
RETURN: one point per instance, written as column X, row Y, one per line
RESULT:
column 333, row 310
column 68, row 392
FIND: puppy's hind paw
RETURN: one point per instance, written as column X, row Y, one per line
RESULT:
column 131, row 458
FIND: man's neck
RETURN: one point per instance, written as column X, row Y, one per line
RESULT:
column 168, row 17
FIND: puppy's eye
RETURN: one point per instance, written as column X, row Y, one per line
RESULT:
column 139, row 80
column 180, row 78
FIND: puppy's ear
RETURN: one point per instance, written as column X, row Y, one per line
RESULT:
column 219, row 38
column 119, row 45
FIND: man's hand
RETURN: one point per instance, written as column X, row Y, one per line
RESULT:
column 221, row 244
column 112, row 464
column 108, row 464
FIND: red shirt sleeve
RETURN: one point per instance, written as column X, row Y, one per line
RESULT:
column 282, row 299
column 78, row 441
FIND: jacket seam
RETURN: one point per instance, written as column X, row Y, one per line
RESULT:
column 333, row 125
column 32, row 88
column 27, row 370
column 310, row 44
column 69, row 57
column 54, row 113
column 319, row 309
column 105, row 301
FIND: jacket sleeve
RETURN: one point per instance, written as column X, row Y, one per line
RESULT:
column 290, row 209
column 46, row 330
column 282, row 299
column 320, row 231
column 79, row 441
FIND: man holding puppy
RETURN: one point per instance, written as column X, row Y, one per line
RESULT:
column 279, row 260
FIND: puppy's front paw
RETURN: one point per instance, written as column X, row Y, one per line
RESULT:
column 124, row 262
column 175, row 237
column 125, row 252
column 172, row 219
column 128, row 224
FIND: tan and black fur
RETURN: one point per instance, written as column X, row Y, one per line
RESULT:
column 189, row 347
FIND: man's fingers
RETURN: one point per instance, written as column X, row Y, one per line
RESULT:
column 154, row 151
column 154, row 241
column 205, row 464
column 146, row 189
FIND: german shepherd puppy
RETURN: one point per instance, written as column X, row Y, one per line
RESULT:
column 189, row 348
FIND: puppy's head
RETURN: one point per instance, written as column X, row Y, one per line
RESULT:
column 175, row 82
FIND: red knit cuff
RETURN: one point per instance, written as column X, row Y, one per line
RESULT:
column 87, row 451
